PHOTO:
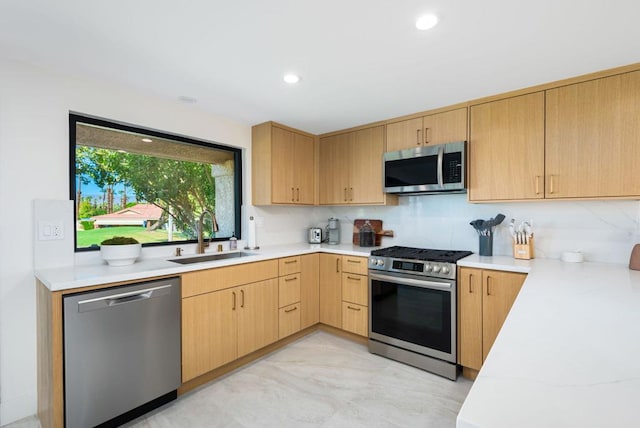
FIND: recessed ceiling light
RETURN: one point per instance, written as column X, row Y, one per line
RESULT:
column 426, row 22
column 291, row 78
column 147, row 140
column 186, row 99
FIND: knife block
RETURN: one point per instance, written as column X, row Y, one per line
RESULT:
column 523, row 251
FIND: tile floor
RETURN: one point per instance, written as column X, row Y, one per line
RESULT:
column 319, row 381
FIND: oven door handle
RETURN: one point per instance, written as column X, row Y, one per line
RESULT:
column 412, row 282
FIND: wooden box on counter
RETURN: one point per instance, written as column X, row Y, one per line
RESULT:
column 524, row 251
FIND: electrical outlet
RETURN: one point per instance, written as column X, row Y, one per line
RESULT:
column 50, row 230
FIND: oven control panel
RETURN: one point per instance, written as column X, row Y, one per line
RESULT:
column 415, row 267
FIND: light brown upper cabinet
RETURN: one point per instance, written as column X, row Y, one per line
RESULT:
column 593, row 138
column 351, row 168
column 283, row 165
column 438, row 128
column 506, row 149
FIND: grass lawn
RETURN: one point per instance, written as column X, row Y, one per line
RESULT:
column 87, row 238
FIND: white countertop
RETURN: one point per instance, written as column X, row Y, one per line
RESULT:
column 68, row 277
column 568, row 354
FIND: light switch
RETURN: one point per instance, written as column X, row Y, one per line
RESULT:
column 50, row 230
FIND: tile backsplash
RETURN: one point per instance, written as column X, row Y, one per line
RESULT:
column 604, row 231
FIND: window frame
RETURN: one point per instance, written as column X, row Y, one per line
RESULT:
column 75, row 118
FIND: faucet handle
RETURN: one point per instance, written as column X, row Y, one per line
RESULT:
column 178, row 251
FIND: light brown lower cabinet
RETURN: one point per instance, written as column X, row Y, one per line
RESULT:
column 289, row 320
column 355, row 318
column 309, row 290
column 331, row 290
column 485, row 298
column 220, row 326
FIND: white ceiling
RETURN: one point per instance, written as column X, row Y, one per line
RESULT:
column 360, row 60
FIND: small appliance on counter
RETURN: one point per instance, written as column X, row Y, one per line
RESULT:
column 315, row 235
column 333, row 231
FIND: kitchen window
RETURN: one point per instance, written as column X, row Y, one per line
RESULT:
column 149, row 185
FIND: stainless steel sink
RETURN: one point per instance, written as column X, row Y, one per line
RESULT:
column 209, row 257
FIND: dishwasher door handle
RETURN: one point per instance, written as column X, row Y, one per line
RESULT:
column 122, row 298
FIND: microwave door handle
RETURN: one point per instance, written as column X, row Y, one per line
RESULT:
column 440, row 161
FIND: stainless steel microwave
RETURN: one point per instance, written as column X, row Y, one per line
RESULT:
column 428, row 169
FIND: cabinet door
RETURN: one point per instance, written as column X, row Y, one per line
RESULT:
column 355, row 318
column 209, row 328
column 506, row 149
column 309, row 290
column 283, row 181
column 499, row 292
column 593, row 138
column 365, row 170
column 334, row 162
column 257, row 315
column 446, row 127
column 406, row 134
column 330, row 290
column 470, row 318
column 304, row 169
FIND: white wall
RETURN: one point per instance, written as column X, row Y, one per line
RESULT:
column 34, row 152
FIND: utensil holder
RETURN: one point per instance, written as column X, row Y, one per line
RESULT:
column 523, row 251
column 486, row 245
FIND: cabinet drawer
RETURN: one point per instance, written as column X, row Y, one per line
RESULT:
column 355, row 265
column 289, row 320
column 288, row 290
column 355, row 289
column 205, row 281
column 355, row 318
column 288, row 265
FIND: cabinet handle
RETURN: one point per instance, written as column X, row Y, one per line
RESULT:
column 488, row 285
column 353, row 278
column 351, row 307
column 470, row 290
column 426, row 136
column 242, row 294
column 537, row 184
column 292, row 196
column 291, row 310
column 417, row 137
column 290, row 279
column 233, row 308
column 288, row 262
column 337, row 264
column 351, row 199
column 354, row 261
column 551, row 189
column 345, row 194
column 298, row 194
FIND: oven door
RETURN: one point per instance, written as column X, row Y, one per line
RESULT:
column 414, row 313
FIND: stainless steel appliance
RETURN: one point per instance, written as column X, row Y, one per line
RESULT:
column 315, row 235
column 412, row 307
column 121, row 352
column 427, row 169
column 333, row 230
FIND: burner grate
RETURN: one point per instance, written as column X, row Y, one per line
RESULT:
column 424, row 254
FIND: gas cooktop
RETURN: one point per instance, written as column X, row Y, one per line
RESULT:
column 409, row 253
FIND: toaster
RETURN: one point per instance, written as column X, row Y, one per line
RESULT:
column 315, row 235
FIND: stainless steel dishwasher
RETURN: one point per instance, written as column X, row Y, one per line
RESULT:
column 121, row 352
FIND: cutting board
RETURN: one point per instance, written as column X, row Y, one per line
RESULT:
column 376, row 225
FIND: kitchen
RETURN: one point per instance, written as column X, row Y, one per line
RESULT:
column 34, row 114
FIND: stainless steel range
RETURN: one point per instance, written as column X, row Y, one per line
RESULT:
column 412, row 307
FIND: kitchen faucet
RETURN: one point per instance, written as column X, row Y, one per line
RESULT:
column 214, row 223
